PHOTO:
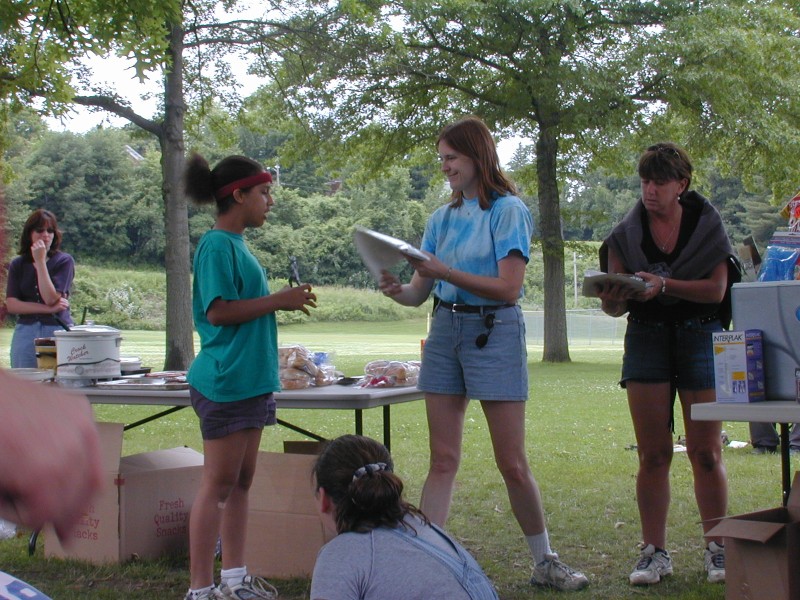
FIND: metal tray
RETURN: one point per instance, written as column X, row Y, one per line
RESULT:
column 144, row 383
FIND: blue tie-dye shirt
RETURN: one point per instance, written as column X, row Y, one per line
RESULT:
column 474, row 240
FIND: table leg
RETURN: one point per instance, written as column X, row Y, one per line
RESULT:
column 785, row 470
column 163, row 413
column 387, row 428
column 305, row 432
column 359, row 422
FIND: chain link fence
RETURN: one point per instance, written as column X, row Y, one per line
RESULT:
column 585, row 327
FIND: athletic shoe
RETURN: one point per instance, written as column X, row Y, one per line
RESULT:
column 553, row 573
column 714, row 560
column 212, row 594
column 653, row 564
column 251, row 588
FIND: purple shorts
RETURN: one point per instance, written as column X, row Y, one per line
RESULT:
column 218, row 419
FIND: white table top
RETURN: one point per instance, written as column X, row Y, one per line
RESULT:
column 754, row 412
column 331, row 396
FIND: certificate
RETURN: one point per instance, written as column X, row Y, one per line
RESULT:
column 380, row 251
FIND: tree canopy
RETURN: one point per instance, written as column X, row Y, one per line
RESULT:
column 575, row 76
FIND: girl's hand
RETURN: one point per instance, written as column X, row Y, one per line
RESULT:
column 298, row 298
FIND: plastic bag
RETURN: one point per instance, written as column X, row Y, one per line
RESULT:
column 780, row 264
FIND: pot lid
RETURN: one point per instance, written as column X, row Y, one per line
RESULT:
column 81, row 330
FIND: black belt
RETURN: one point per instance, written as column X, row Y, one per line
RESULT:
column 701, row 320
column 469, row 308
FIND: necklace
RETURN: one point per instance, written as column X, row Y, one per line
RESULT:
column 663, row 246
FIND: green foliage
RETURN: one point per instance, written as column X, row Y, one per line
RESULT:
column 136, row 299
column 108, row 205
column 122, row 298
column 41, row 40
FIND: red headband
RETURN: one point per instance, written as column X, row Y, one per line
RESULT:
column 227, row 190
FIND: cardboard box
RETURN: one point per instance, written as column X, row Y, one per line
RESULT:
column 750, row 257
column 284, row 532
column 303, row 447
column 739, row 366
column 144, row 509
column 762, row 552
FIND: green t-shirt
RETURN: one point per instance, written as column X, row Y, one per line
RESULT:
column 235, row 361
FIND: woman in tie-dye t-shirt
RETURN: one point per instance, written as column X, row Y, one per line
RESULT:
column 478, row 247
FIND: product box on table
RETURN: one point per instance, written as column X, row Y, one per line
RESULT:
column 284, row 532
column 739, row 366
column 762, row 551
column 143, row 510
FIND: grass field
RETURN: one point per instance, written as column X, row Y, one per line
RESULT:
column 579, row 445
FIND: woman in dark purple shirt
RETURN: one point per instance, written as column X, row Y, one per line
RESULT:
column 39, row 281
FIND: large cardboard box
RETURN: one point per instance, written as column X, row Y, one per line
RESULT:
column 762, row 552
column 284, row 532
column 144, row 509
column 739, row 366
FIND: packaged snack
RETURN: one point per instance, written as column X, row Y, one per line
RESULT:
column 294, row 379
column 297, row 357
column 389, row 373
column 327, row 375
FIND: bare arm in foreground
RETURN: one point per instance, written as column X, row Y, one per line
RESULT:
column 50, row 467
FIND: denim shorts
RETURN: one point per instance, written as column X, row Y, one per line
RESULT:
column 453, row 364
column 657, row 351
column 218, row 419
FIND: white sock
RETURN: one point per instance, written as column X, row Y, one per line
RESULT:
column 539, row 545
column 197, row 593
column 232, row 577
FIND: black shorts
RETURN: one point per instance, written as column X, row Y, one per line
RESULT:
column 218, row 419
column 681, row 352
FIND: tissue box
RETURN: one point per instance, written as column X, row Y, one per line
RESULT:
column 739, row 366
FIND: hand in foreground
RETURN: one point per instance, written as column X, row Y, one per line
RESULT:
column 50, row 467
column 298, row 298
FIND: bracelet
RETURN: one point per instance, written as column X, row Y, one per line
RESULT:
column 446, row 277
column 663, row 286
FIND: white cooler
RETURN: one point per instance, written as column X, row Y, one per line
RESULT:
column 774, row 308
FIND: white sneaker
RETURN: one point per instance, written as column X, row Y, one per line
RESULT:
column 553, row 573
column 212, row 594
column 714, row 560
column 652, row 566
column 251, row 588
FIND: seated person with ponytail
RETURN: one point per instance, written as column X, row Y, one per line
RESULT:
column 384, row 548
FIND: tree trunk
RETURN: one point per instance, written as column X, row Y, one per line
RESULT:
column 556, row 345
column 180, row 341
